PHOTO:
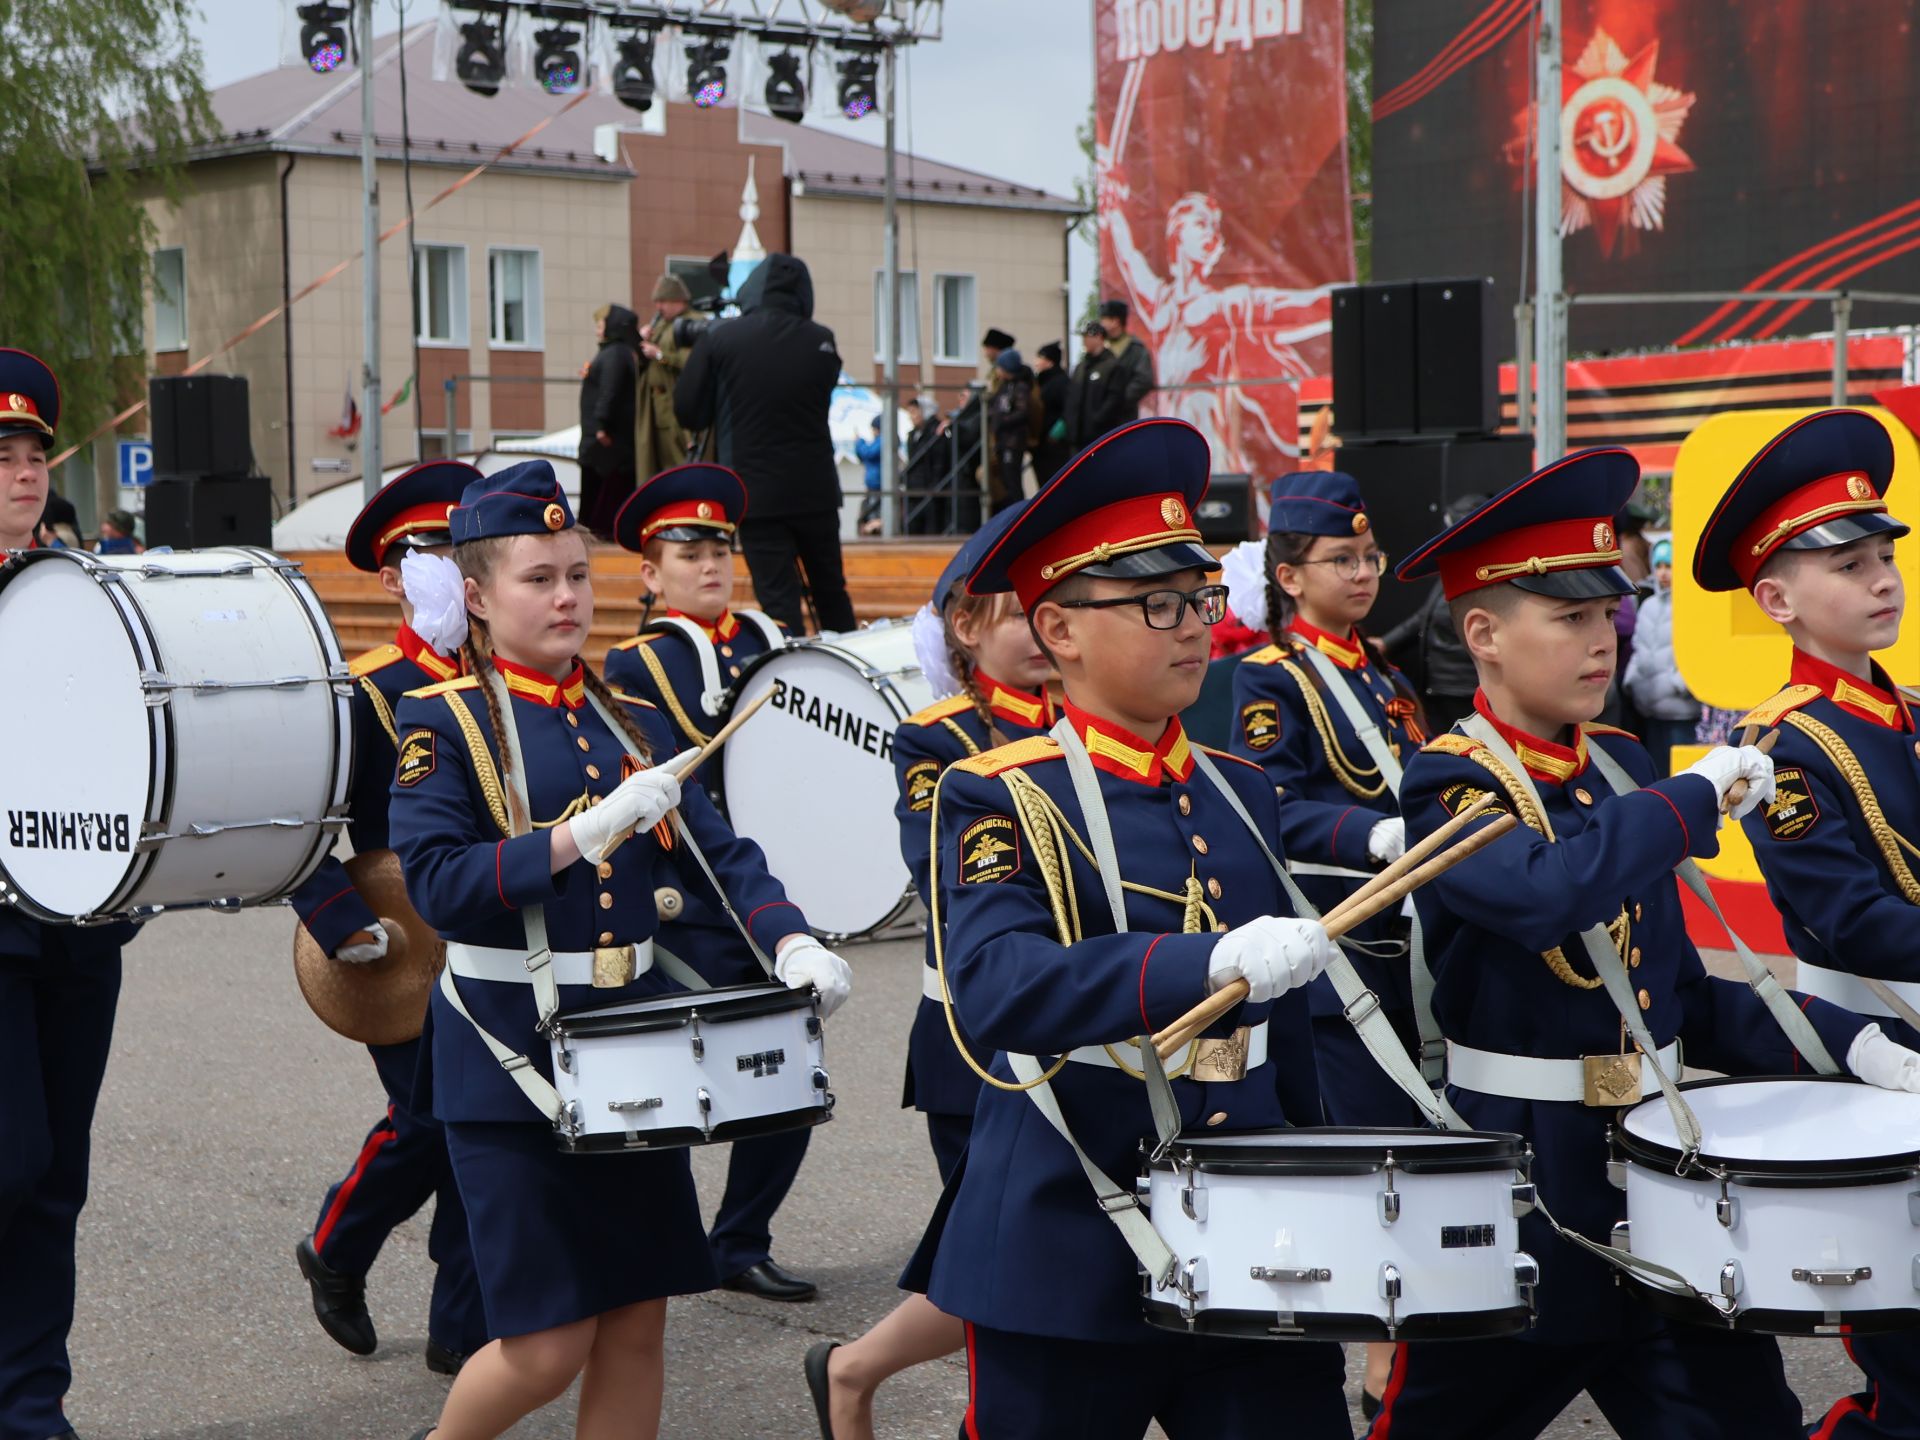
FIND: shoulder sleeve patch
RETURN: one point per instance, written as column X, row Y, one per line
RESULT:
column 1769, row 711
column 918, row 784
column 1463, row 796
column 377, row 658
column 939, row 710
column 445, row 687
column 417, row 758
column 1008, row 757
column 989, row 850
column 1450, row 744
column 1260, row 724
column 1793, row 810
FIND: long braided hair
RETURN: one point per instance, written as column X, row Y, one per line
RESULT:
column 1284, row 547
column 987, row 611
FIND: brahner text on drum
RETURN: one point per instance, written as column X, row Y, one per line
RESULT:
column 856, row 730
column 68, row 830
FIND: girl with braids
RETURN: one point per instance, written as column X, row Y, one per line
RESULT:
column 534, row 826
column 989, row 679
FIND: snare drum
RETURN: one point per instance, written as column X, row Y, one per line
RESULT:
column 1800, row 1214
column 1344, row 1234
column 177, row 731
column 810, row 778
column 698, row 1067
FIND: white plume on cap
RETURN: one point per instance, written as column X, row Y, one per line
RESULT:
column 1244, row 568
column 930, row 648
column 438, row 594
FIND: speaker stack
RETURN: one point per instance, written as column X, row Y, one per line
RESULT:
column 204, row 491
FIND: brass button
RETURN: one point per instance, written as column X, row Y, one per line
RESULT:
column 1220, row 928
column 1633, row 957
column 1916, row 747
column 581, row 741
column 1646, row 1001
column 1213, row 887
column 606, row 937
column 1636, row 912
column 1200, row 843
column 606, row 873
column 606, row 903
column 593, row 772
column 573, row 720
column 727, row 650
column 1186, row 805
column 1582, row 796
column 1219, row 1117
column 734, row 671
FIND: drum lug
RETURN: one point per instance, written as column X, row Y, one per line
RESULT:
column 1390, row 1289
column 1622, row 1236
column 155, row 686
column 814, row 1028
column 1727, row 1208
column 562, row 1056
column 821, row 1083
column 1526, row 1272
column 1913, row 1208
column 706, row 1112
column 1526, row 1196
column 1190, row 1281
column 1617, row 1174
column 1389, row 1197
column 1193, row 1198
column 569, row 1122
column 1732, row 1282
column 1833, row 1277
column 1915, row 1273
column 699, row 1044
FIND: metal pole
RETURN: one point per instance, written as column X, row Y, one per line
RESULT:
column 453, row 421
column 890, row 400
column 1523, row 367
column 370, row 267
column 1842, row 313
column 1549, row 304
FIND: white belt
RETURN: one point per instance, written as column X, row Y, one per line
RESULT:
column 1530, row 1077
column 1309, row 867
column 930, row 985
column 1849, row 991
column 1129, row 1053
column 570, row 967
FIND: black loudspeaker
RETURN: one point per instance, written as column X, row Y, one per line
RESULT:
column 1458, row 386
column 1391, row 382
column 1349, row 361
column 201, row 425
column 1408, row 490
column 1226, row 515
column 191, row 512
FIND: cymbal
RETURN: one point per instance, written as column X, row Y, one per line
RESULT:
column 383, row 1002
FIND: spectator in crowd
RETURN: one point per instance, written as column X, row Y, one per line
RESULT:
column 606, row 418
column 1136, row 366
column 764, row 384
column 1669, row 714
column 59, row 527
column 1051, row 378
column 867, row 451
column 117, row 535
column 1629, row 528
column 1093, row 376
column 659, row 442
column 940, row 502
column 967, row 424
column 1013, row 413
column 1428, row 648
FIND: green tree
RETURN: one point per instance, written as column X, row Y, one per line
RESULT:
column 1085, row 190
column 100, row 101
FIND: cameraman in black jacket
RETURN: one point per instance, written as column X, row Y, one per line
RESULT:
column 763, row 383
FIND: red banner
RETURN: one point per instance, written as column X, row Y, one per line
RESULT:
column 1224, row 217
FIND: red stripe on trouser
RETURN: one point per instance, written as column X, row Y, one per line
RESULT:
column 383, row 1135
column 972, row 1427
column 1396, row 1381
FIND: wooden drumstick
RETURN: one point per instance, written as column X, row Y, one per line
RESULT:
column 1737, row 791
column 701, row 756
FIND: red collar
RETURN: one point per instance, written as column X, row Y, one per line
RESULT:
column 424, row 655
column 725, row 628
column 1119, row 751
column 1878, row 703
column 1348, row 654
column 541, row 689
column 1017, row 707
column 1556, row 764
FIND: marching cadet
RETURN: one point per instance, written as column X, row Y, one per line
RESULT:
column 403, row 1162
column 59, row 986
column 966, row 644
column 681, row 523
column 1805, row 528
column 525, row 809
column 1110, row 571
column 1532, row 937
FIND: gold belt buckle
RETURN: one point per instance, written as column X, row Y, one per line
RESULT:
column 1611, row 1080
column 612, row 966
column 1221, row 1060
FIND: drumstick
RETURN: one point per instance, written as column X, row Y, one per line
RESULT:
column 1176, row 1035
column 1737, row 791
column 745, row 713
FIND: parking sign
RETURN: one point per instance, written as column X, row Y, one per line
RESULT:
column 136, row 464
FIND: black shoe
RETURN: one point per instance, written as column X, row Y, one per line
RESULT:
column 768, row 1281
column 1369, row 1404
column 816, row 1367
column 442, row 1361
column 339, row 1301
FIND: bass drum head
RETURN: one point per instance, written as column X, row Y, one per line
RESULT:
column 77, row 736
column 810, row 777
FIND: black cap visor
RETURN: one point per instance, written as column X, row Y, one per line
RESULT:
column 1846, row 529
column 1168, row 559
column 679, row 534
column 11, row 428
column 1591, row 582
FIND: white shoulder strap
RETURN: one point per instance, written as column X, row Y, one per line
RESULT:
column 768, row 627
column 1358, row 716
column 712, row 689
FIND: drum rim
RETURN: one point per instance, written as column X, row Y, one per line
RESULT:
column 1760, row 1320
column 1458, row 1152
column 723, row 1002
column 1815, row 1174
column 1343, row 1325
column 684, row 1137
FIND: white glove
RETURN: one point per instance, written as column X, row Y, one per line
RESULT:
column 1724, row 764
column 1882, row 1062
column 676, row 765
column 369, row 951
column 638, row 803
column 1387, row 841
column 1273, row 954
column 808, row 962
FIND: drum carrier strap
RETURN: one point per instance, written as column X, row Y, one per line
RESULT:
column 713, row 689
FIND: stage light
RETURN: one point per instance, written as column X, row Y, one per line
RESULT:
column 480, row 63
column 633, row 71
column 858, row 94
column 707, row 73
column 323, row 36
column 786, row 91
column 556, row 59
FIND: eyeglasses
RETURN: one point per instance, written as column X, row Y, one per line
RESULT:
column 1348, row 566
column 1165, row 609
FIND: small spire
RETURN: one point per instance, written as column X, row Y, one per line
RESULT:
column 748, row 246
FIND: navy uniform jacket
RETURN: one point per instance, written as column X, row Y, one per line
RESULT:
column 1025, row 1247
column 1331, row 794
column 1512, row 976
column 938, row 1080
column 1845, row 887
column 327, row 903
column 469, row 877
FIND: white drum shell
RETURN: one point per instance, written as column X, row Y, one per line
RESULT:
column 1455, row 1244
column 758, row 1074
column 810, row 778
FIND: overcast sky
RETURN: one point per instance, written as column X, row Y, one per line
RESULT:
column 1001, row 93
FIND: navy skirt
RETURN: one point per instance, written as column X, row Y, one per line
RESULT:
column 559, row 1238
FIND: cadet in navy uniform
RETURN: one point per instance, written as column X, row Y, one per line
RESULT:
column 58, row 989
column 1805, row 528
column 524, row 813
column 1109, row 568
column 681, row 522
column 966, row 644
column 1535, row 1044
column 403, row 1162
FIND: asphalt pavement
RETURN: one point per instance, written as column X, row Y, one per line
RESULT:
column 229, row 1109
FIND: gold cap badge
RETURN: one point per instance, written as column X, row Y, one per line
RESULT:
column 1173, row 512
column 705, row 511
column 555, row 516
column 1361, row 524
column 1602, row 535
column 1858, row 487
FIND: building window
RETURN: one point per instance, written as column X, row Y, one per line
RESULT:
column 433, row 444
column 170, row 299
column 956, row 319
column 695, row 274
column 440, row 293
column 513, row 299
column 909, row 317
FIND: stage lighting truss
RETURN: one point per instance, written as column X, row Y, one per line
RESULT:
column 786, row 88
column 323, row 36
column 480, row 62
column 556, row 60
column 633, row 83
column 859, row 89
column 707, row 69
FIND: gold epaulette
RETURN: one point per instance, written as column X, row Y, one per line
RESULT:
column 1011, row 756
column 445, row 687
column 1265, row 655
column 939, row 710
column 1450, row 744
column 620, row 694
column 1229, row 755
column 632, row 640
column 1594, row 729
column 377, row 658
column 1768, row 712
